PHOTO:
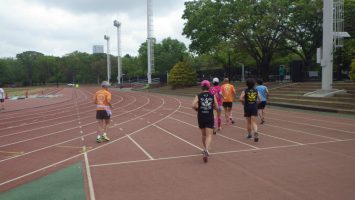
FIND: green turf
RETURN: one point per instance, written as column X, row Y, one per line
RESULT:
column 64, row 185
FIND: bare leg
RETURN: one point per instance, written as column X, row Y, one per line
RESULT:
column 203, row 131
column 219, row 113
column 100, row 127
column 230, row 115
column 248, row 124
column 208, row 138
column 226, row 114
column 107, row 122
column 254, row 128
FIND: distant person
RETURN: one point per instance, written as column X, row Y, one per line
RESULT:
column 204, row 103
column 217, row 92
column 102, row 99
column 250, row 98
column 264, row 94
column 228, row 92
column 2, row 97
column 282, row 73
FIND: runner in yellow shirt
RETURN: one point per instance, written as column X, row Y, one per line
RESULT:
column 228, row 93
column 102, row 99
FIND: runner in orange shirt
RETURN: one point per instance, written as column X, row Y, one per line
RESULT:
column 102, row 99
column 228, row 93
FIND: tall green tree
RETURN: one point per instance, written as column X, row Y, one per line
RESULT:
column 28, row 60
column 254, row 26
column 167, row 54
column 303, row 30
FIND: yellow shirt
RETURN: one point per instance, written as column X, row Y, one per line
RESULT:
column 228, row 92
column 102, row 99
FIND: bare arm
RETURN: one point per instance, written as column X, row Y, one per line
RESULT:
column 195, row 103
column 215, row 103
column 259, row 98
column 241, row 97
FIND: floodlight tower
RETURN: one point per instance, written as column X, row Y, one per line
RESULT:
column 150, row 40
column 327, row 48
column 119, row 64
column 107, row 38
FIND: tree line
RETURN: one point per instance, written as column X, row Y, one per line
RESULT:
column 224, row 34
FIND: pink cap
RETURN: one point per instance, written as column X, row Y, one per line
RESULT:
column 205, row 83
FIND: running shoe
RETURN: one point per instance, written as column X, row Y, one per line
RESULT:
column 98, row 139
column 262, row 121
column 231, row 120
column 207, row 153
column 214, row 131
column 104, row 137
column 249, row 136
column 219, row 128
column 205, row 156
column 256, row 137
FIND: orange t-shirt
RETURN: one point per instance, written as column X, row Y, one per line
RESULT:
column 102, row 99
column 228, row 92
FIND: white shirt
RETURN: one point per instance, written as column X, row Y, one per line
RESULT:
column 2, row 93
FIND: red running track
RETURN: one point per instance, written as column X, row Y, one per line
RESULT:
column 154, row 152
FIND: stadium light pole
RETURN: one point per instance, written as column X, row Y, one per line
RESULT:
column 107, row 38
column 119, row 68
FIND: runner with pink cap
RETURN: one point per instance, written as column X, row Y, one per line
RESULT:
column 204, row 103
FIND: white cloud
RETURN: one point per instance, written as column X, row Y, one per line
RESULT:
column 60, row 27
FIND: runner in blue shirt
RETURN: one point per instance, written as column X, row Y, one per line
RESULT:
column 264, row 94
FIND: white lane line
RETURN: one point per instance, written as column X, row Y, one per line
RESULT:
column 72, row 128
column 141, row 148
column 166, row 131
column 75, row 156
column 299, row 131
column 260, row 133
column 312, row 119
column 42, row 127
column 73, row 138
column 39, row 170
column 322, row 127
column 219, row 153
column 220, row 135
column 88, row 174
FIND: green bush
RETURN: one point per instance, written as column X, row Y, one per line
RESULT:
column 352, row 70
column 182, row 75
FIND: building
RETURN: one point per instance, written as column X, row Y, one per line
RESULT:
column 98, row 49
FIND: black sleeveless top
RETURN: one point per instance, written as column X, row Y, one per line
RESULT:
column 251, row 97
column 205, row 105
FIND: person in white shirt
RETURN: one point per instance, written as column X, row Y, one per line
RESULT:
column 2, row 97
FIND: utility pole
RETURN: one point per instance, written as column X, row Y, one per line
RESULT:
column 119, row 64
column 107, row 38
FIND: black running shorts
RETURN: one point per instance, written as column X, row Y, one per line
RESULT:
column 102, row 114
column 250, row 111
column 227, row 104
column 205, row 123
column 262, row 105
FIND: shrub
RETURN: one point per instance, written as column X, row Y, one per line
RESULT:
column 182, row 75
column 352, row 70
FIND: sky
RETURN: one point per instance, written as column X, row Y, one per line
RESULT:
column 59, row 27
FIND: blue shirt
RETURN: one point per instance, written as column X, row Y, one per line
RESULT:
column 262, row 91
